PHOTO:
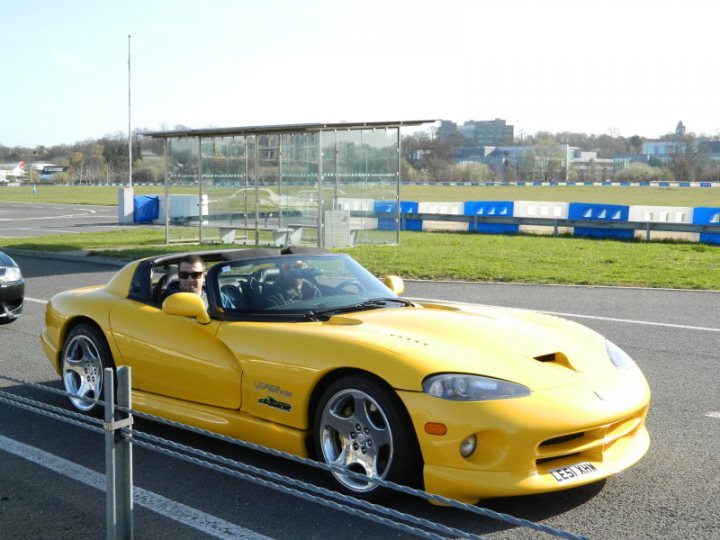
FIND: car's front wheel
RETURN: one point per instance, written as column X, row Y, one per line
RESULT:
column 360, row 427
column 85, row 356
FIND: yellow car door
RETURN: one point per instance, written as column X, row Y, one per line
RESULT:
column 175, row 356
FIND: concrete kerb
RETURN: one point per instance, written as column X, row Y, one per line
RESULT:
column 83, row 255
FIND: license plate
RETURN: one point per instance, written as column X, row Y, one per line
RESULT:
column 573, row 472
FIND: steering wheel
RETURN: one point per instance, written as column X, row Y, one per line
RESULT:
column 314, row 289
column 342, row 286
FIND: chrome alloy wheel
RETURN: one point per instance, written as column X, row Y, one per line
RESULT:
column 356, row 437
column 82, row 371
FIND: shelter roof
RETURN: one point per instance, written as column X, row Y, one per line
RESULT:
column 283, row 128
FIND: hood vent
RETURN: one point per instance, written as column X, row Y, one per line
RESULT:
column 555, row 358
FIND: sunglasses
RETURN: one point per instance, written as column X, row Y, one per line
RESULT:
column 194, row 275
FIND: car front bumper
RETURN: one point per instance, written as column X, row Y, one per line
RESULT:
column 11, row 300
column 552, row 440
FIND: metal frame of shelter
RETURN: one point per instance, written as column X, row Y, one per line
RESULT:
column 313, row 184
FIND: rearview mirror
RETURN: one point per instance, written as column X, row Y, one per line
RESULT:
column 186, row 305
column 395, row 284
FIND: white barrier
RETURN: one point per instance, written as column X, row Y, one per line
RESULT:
column 354, row 204
column 664, row 214
column 541, row 209
column 358, row 205
column 446, row 208
column 182, row 208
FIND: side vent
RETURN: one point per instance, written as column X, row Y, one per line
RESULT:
column 555, row 358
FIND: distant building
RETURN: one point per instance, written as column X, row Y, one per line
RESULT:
column 663, row 148
column 480, row 132
column 446, row 129
column 587, row 167
column 489, row 132
column 712, row 148
column 620, row 161
column 662, row 151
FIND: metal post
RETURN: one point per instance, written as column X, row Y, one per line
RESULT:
column 246, row 184
column 118, row 457
column 399, row 181
column 130, row 164
column 166, row 218
column 320, row 216
column 257, row 194
column 200, row 191
column 280, row 180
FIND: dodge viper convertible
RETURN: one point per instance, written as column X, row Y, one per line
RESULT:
column 12, row 289
column 306, row 352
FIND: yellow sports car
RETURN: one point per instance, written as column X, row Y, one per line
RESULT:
column 305, row 351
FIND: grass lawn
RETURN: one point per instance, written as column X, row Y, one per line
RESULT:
column 464, row 256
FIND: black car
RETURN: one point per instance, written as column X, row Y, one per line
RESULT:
column 12, row 289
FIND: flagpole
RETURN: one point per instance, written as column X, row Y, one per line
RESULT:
column 130, row 162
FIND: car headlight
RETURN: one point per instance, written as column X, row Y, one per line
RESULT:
column 461, row 387
column 618, row 357
column 12, row 273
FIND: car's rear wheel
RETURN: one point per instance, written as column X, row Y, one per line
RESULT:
column 361, row 427
column 84, row 357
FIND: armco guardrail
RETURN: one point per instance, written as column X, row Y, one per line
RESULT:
column 120, row 437
column 709, row 232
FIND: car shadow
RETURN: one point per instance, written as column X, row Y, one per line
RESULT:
column 58, row 263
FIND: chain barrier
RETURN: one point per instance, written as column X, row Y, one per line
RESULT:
column 483, row 512
column 304, row 489
column 338, row 501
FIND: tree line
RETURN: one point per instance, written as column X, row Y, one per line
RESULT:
column 426, row 157
column 94, row 160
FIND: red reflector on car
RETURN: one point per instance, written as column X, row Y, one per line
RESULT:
column 433, row 428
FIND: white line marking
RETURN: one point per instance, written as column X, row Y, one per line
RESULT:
column 205, row 523
column 713, row 414
column 633, row 321
column 595, row 317
column 36, row 300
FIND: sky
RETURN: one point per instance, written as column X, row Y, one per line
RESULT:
column 624, row 68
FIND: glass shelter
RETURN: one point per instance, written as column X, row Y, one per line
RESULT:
column 327, row 185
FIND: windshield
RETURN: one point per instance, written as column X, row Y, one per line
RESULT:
column 297, row 284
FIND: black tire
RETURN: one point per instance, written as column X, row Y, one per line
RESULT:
column 361, row 426
column 83, row 359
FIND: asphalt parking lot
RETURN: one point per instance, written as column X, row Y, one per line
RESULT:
column 19, row 220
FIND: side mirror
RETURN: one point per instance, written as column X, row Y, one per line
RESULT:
column 186, row 305
column 395, row 284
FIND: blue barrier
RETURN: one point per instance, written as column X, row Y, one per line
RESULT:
column 707, row 216
column 146, row 208
column 609, row 213
column 490, row 208
column 390, row 207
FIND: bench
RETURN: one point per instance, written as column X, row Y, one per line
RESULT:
column 281, row 236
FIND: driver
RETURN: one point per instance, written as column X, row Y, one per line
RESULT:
column 290, row 286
